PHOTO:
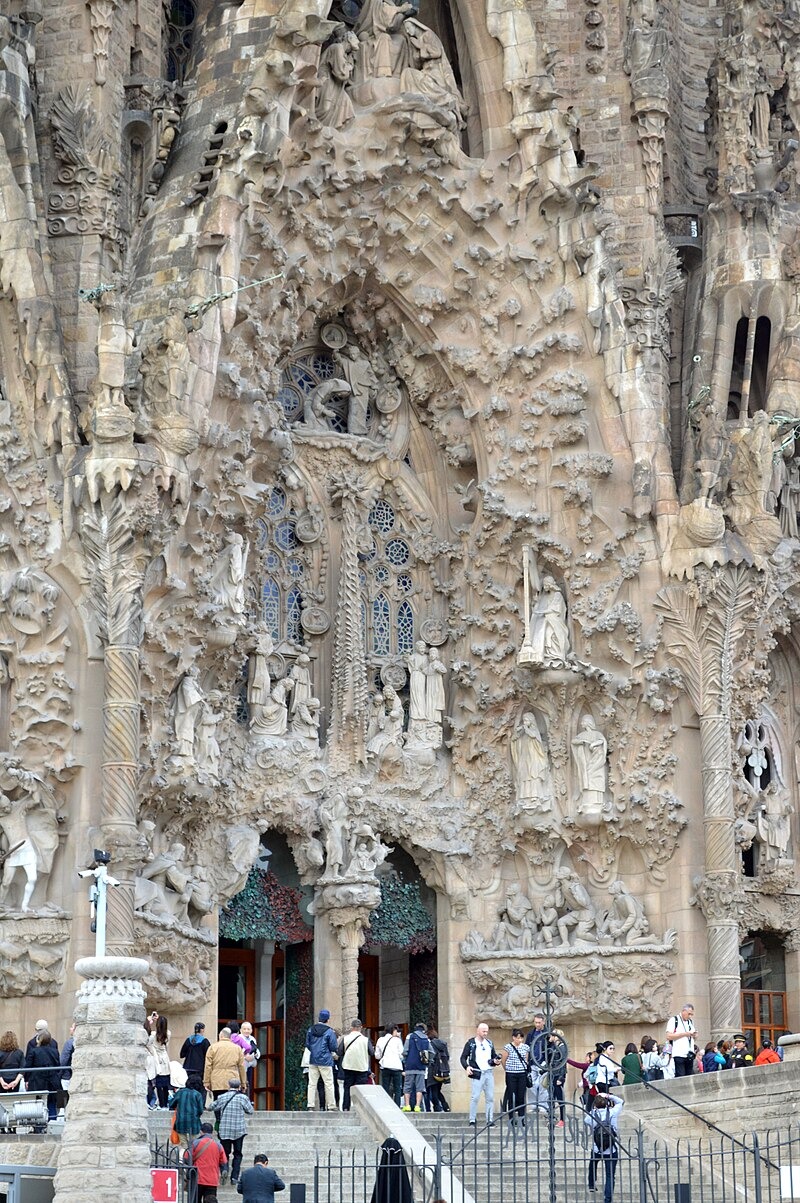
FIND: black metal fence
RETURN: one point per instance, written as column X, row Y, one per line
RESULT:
column 170, row 1157
column 543, row 1162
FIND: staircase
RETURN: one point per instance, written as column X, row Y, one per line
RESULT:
column 292, row 1139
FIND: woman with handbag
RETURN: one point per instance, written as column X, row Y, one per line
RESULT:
column 516, row 1059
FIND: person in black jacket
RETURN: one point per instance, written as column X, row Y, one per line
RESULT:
column 12, row 1060
column 45, row 1061
column 193, row 1051
column 438, row 1071
column 259, row 1184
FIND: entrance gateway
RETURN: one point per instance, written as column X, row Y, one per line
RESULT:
column 266, row 964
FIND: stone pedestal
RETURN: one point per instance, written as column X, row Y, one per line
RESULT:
column 105, row 1153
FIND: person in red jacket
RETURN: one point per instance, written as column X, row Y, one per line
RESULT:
column 208, row 1155
column 767, row 1056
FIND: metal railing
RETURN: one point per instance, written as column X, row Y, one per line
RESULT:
column 540, row 1161
column 170, row 1157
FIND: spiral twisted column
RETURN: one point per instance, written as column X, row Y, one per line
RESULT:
column 121, row 710
column 720, row 887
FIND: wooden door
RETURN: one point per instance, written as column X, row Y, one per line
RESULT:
column 764, row 1015
column 236, row 994
column 268, row 1090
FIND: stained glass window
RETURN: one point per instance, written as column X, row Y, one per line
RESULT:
column 387, row 610
column 300, row 377
column 284, row 567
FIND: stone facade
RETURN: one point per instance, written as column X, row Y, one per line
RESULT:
column 398, row 419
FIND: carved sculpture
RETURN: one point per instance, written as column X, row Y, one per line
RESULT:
column 259, row 685
column 305, row 719
column 333, row 817
column 534, row 785
column 387, row 734
column 358, row 372
column 589, row 753
column 547, row 642
column 227, row 582
column 577, row 913
column 336, row 65
column 188, row 712
column 773, row 824
column 300, row 676
column 272, row 718
column 625, row 922
column 516, row 928
column 646, row 51
column 30, row 829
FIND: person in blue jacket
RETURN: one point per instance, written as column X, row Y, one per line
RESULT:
column 321, row 1044
column 259, row 1184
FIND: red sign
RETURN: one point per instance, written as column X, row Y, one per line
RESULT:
column 165, row 1185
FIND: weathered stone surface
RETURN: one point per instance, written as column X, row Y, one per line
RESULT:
column 398, row 433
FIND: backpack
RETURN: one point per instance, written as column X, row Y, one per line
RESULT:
column 604, row 1137
column 441, row 1066
column 424, row 1051
column 591, row 1073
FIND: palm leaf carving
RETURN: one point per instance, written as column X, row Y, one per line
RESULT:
column 115, row 573
column 702, row 636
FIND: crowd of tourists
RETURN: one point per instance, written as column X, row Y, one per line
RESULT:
column 39, row 1066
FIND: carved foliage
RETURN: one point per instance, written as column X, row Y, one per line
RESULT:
column 86, row 198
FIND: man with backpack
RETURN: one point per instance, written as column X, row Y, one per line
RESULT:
column 478, row 1058
column 603, row 1120
column 417, row 1056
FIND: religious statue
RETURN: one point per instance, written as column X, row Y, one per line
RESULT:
column 430, row 75
column 226, row 584
column 774, row 826
column 417, row 663
column 305, row 719
column 316, row 412
column 546, row 643
column 189, row 702
column 357, row 370
column 576, row 909
column 625, row 923
column 548, row 921
column 208, row 750
column 589, row 752
column 386, row 729
column 333, row 819
column 711, row 464
column 367, row 852
column 30, row 830
column 111, row 419
column 273, row 717
column 383, row 49
column 746, row 505
column 789, row 496
column 166, row 889
column 300, row 676
column 336, row 65
column 517, row 926
column 646, row 51
column 258, row 682
column 434, row 696
column 534, row 785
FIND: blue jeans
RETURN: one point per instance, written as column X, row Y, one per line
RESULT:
column 610, row 1166
column 485, row 1083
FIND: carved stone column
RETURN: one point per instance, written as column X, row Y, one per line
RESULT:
column 117, row 563
column 703, row 628
column 105, row 1151
column 341, row 913
column 349, row 708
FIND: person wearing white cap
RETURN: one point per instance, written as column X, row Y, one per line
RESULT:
column 41, row 1026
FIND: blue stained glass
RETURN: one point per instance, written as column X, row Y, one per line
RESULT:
column 285, row 537
column 404, row 582
column 405, row 628
column 276, row 503
column 290, row 401
column 323, row 365
column 397, row 551
column 382, row 517
column 381, row 625
column 271, row 602
column 294, row 608
column 295, row 567
column 362, row 579
column 381, row 574
column 262, row 536
column 366, row 556
column 300, row 375
column 272, row 561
